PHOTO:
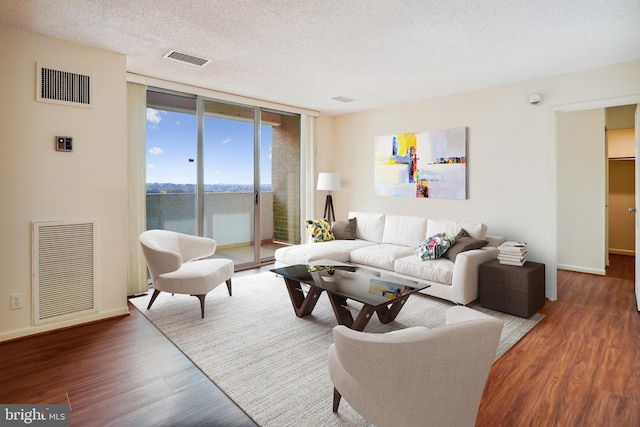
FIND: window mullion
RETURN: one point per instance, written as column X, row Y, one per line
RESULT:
column 200, row 166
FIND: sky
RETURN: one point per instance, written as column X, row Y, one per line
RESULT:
column 228, row 149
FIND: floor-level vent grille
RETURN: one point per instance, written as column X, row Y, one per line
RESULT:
column 64, row 284
column 63, row 87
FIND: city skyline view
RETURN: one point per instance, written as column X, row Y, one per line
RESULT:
column 171, row 150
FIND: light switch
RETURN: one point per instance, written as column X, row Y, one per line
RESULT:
column 64, row 143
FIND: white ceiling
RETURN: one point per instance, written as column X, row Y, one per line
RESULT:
column 378, row 52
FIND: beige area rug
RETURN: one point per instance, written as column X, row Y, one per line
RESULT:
column 272, row 363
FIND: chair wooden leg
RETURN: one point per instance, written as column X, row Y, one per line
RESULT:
column 336, row 399
column 229, row 286
column 201, row 298
column 153, row 298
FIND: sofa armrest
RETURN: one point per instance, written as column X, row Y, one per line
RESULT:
column 464, row 283
column 494, row 240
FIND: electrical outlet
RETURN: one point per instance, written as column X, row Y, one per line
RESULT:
column 16, row 301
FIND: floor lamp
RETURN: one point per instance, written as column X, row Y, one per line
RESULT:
column 328, row 181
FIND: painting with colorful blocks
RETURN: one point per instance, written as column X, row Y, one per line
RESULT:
column 430, row 164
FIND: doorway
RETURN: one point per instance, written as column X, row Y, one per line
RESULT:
column 621, row 178
column 587, row 211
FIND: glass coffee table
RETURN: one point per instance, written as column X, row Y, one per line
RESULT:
column 384, row 294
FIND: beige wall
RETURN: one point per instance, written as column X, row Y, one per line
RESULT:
column 511, row 152
column 581, row 191
column 41, row 184
column 621, row 143
column 620, row 117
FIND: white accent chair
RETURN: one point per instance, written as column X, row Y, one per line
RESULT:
column 416, row 376
column 176, row 264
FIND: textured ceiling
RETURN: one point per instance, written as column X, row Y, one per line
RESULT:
column 378, row 52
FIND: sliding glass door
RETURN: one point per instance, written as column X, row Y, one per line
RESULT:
column 229, row 207
column 237, row 170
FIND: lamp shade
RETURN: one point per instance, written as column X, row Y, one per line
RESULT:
column 328, row 181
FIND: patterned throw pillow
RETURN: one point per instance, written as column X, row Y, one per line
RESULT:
column 319, row 230
column 434, row 247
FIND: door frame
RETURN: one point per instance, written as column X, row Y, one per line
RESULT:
column 637, row 188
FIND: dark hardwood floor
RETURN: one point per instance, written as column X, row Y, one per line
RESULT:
column 118, row 372
column 578, row 367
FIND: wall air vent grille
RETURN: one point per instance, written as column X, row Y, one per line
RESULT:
column 63, row 87
column 188, row 59
column 64, row 284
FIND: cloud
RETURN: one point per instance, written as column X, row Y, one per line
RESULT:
column 153, row 116
column 151, row 166
column 226, row 140
column 156, row 151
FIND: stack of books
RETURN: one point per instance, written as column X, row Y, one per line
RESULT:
column 512, row 253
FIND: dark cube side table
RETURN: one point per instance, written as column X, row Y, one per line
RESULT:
column 511, row 289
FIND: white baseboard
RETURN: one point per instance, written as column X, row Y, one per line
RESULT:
column 582, row 269
column 25, row 332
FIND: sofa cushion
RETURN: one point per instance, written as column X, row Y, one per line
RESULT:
column 463, row 243
column 319, row 230
column 436, row 270
column 335, row 250
column 344, row 230
column 404, row 230
column 477, row 230
column 380, row 256
column 368, row 226
column 434, row 247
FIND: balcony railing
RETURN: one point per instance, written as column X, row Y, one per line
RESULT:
column 228, row 217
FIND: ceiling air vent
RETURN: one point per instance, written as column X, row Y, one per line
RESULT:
column 188, row 59
column 343, row 99
column 63, row 87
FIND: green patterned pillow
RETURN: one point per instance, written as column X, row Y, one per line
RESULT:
column 434, row 247
column 319, row 230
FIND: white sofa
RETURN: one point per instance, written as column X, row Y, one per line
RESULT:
column 387, row 243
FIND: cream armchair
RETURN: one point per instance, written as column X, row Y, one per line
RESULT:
column 176, row 264
column 416, row 376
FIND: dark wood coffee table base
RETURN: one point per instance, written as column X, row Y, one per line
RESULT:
column 304, row 305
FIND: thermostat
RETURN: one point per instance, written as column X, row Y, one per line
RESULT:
column 64, row 143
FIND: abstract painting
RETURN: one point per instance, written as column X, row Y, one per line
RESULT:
column 423, row 165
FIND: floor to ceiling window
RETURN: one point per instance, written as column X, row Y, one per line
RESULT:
column 172, row 175
column 226, row 171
